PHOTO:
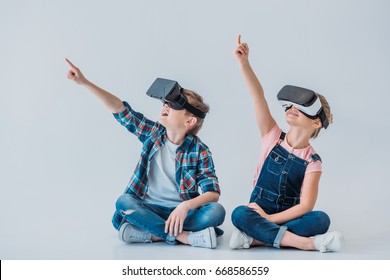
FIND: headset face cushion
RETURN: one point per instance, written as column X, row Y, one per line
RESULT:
column 174, row 105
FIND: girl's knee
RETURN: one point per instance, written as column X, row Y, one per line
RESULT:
column 323, row 220
column 239, row 214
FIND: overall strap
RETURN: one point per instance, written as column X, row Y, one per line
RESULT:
column 281, row 137
column 315, row 157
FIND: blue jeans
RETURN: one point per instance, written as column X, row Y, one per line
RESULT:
column 254, row 225
column 151, row 217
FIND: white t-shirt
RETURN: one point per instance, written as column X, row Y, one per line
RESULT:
column 162, row 186
column 271, row 139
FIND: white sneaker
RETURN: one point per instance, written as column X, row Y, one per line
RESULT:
column 240, row 240
column 204, row 238
column 131, row 234
column 329, row 242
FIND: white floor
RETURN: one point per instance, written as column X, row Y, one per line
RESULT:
column 75, row 240
column 355, row 249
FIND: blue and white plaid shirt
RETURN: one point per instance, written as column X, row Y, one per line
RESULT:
column 194, row 164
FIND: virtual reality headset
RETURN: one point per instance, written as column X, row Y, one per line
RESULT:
column 171, row 92
column 305, row 100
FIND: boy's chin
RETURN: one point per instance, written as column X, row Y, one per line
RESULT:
column 163, row 121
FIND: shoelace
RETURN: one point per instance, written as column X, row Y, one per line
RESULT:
column 139, row 234
column 198, row 238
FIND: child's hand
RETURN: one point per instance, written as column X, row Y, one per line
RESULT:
column 258, row 210
column 242, row 51
column 75, row 74
column 175, row 221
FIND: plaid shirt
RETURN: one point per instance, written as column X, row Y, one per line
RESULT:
column 194, row 164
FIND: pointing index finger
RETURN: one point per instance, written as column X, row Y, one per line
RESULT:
column 70, row 63
column 239, row 39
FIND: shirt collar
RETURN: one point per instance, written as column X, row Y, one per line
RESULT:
column 187, row 142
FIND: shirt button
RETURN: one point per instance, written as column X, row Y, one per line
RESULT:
column 284, row 172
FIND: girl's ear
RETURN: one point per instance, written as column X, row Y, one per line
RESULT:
column 191, row 121
column 317, row 123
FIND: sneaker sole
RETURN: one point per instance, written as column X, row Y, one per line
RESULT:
column 121, row 232
column 213, row 238
column 232, row 244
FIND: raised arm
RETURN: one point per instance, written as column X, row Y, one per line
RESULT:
column 110, row 101
column 264, row 119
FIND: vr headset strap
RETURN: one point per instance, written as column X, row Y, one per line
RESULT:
column 190, row 108
column 323, row 118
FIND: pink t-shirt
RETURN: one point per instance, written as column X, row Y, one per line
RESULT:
column 271, row 139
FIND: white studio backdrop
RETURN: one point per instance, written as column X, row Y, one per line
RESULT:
column 64, row 160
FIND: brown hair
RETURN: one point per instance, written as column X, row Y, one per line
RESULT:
column 197, row 101
column 328, row 113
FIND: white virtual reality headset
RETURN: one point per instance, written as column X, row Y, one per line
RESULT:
column 305, row 100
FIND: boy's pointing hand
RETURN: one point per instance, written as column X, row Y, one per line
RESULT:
column 75, row 74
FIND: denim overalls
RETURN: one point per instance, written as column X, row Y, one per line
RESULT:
column 278, row 188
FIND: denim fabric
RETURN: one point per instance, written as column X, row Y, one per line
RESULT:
column 250, row 222
column 277, row 189
column 151, row 217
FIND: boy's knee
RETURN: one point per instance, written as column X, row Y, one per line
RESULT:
column 217, row 210
column 126, row 202
column 214, row 215
column 209, row 215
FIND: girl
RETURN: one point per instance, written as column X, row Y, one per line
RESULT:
column 286, row 184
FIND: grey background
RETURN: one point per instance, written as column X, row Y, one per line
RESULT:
column 64, row 160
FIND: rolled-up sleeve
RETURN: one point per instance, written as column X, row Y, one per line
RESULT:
column 206, row 178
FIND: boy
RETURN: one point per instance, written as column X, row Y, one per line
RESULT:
column 162, row 201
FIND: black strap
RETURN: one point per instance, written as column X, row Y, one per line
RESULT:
column 281, row 138
column 316, row 157
column 182, row 101
column 194, row 110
